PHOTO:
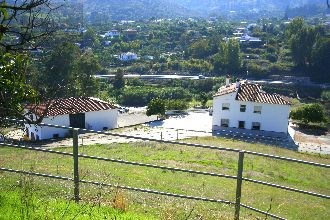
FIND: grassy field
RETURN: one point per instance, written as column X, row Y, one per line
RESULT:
column 283, row 203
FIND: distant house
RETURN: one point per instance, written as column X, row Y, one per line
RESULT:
column 245, row 107
column 112, row 33
column 129, row 56
column 248, row 39
column 130, row 34
column 84, row 112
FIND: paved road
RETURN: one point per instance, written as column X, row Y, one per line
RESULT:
column 153, row 76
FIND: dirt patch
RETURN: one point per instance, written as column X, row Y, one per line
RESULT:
column 313, row 142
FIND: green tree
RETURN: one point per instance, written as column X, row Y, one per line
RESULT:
column 60, row 75
column 69, row 72
column 21, row 27
column 203, row 99
column 320, row 60
column 228, row 59
column 171, row 104
column 309, row 113
column 88, row 65
column 13, row 87
column 156, row 107
column 119, row 81
column 234, row 58
column 200, row 49
column 301, row 45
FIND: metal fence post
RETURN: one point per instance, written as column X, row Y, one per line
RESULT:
column 75, row 132
column 239, row 184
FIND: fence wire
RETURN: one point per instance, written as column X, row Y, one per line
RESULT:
column 239, row 177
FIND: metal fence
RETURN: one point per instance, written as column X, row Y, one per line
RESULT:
column 239, row 177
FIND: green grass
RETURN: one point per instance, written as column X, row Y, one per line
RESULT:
column 286, row 204
column 22, row 204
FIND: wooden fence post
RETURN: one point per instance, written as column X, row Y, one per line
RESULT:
column 239, row 184
column 75, row 132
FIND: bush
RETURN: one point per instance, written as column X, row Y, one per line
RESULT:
column 309, row 113
column 176, row 105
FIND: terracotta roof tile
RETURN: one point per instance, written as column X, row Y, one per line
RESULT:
column 223, row 90
column 253, row 93
column 70, row 106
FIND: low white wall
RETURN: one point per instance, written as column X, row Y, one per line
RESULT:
column 45, row 132
column 101, row 119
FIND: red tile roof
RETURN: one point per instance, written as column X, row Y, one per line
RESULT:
column 253, row 93
column 226, row 90
column 70, row 106
column 250, row 92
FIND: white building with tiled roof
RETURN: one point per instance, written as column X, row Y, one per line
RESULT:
column 245, row 108
column 83, row 112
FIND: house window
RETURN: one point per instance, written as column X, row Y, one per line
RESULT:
column 224, row 122
column 241, row 124
column 242, row 108
column 257, row 109
column 255, row 126
column 225, row 106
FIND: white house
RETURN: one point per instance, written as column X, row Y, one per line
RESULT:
column 244, row 107
column 84, row 112
column 129, row 56
column 112, row 33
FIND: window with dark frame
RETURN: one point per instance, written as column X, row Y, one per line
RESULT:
column 255, row 126
column 242, row 108
column 224, row 122
column 241, row 124
column 225, row 106
column 257, row 109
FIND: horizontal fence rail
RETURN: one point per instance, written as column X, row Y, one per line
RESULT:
column 239, row 178
column 168, row 168
column 183, row 144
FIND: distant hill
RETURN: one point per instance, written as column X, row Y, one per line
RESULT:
column 137, row 9
column 99, row 11
column 218, row 7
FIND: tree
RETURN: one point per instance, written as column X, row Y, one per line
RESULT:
column 320, row 60
column 234, row 59
column 301, row 44
column 309, row 113
column 13, row 89
column 156, row 107
column 23, row 24
column 203, row 98
column 119, row 81
column 228, row 58
column 200, row 49
column 69, row 72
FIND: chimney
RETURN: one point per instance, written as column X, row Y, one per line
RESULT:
column 238, row 83
column 227, row 80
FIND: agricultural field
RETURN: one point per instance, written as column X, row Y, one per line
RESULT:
column 123, row 204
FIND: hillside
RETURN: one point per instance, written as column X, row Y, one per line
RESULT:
column 221, row 7
column 137, row 9
column 99, row 11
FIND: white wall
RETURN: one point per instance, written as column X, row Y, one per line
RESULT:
column 100, row 119
column 93, row 120
column 273, row 117
column 45, row 132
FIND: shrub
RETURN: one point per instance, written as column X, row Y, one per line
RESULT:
column 309, row 113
